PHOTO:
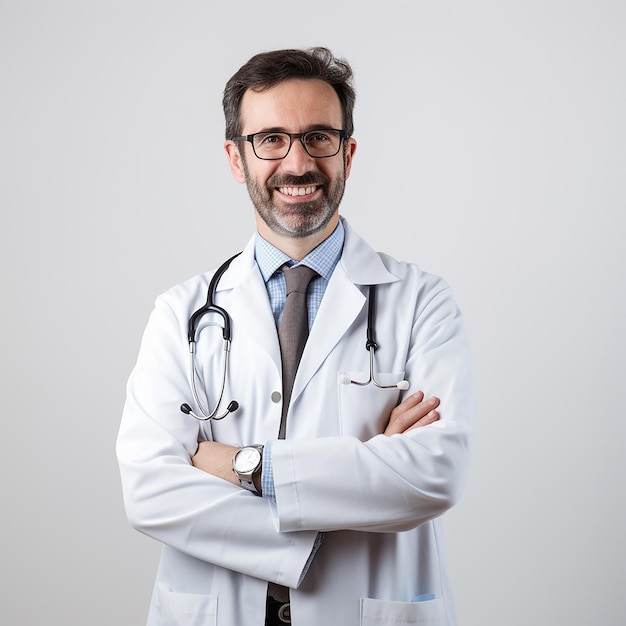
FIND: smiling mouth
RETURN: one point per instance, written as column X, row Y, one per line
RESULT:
column 298, row 191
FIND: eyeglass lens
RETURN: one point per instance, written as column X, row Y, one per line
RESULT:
column 317, row 143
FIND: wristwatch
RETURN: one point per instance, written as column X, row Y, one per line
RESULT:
column 247, row 464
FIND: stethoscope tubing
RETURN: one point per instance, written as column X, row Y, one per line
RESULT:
column 211, row 307
column 213, row 414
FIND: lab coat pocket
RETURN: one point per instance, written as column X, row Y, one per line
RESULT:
column 386, row 613
column 364, row 410
column 185, row 609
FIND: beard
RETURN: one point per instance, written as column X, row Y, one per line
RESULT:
column 295, row 219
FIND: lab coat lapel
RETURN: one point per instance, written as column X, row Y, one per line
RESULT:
column 245, row 298
column 341, row 305
column 343, row 300
column 242, row 292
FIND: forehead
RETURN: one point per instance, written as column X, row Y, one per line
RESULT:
column 293, row 105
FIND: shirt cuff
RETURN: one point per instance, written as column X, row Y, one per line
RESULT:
column 267, row 474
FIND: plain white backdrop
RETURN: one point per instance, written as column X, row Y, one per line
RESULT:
column 491, row 150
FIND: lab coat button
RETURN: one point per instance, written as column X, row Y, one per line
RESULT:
column 276, row 397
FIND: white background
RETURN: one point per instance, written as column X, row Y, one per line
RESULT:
column 492, row 151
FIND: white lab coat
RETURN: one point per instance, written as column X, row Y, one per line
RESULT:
column 376, row 498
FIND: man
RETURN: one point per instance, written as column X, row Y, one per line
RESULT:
column 312, row 501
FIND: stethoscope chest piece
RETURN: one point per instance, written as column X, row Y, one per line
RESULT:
column 371, row 346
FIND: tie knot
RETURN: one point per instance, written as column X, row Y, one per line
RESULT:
column 298, row 278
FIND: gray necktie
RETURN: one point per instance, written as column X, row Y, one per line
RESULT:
column 293, row 330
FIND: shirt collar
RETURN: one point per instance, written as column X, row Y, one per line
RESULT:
column 322, row 258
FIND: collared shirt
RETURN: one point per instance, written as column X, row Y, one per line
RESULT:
column 270, row 260
column 322, row 259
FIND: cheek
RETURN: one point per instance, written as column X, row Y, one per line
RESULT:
column 339, row 175
column 349, row 155
column 262, row 172
column 334, row 171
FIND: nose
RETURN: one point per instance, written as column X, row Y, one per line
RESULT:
column 298, row 161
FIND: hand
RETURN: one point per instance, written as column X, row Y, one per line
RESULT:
column 216, row 459
column 414, row 412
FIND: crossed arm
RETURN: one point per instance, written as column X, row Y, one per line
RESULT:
column 414, row 412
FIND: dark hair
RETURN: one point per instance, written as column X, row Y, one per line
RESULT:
column 267, row 69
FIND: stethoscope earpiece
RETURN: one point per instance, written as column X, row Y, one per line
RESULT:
column 233, row 405
column 210, row 307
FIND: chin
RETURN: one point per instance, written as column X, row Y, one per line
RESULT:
column 306, row 225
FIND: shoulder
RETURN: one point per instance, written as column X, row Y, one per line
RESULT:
column 364, row 265
column 415, row 288
column 411, row 274
column 174, row 307
column 192, row 293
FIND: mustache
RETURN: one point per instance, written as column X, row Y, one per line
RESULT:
column 288, row 180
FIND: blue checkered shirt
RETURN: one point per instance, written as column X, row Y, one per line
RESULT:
column 322, row 259
column 270, row 260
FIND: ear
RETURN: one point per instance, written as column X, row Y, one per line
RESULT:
column 350, row 150
column 235, row 161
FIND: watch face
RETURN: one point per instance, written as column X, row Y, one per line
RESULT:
column 247, row 460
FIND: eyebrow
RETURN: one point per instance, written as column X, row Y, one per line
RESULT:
column 282, row 129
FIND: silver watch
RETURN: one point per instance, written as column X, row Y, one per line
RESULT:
column 246, row 464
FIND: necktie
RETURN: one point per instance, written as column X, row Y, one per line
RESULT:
column 293, row 330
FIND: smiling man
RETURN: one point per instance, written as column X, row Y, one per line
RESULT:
column 316, row 496
column 295, row 189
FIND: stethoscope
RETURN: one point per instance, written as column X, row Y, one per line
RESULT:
column 210, row 307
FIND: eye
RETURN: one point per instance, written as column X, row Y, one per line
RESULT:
column 317, row 138
column 271, row 140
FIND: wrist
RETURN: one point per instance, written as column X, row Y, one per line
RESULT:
column 258, row 483
column 247, row 466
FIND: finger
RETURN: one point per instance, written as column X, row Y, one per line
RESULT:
column 411, row 401
column 406, row 416
column 430, row 418
column 410, row 414
column 408, row 403
column 398, row 413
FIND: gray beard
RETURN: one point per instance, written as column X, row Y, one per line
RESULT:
column 297, row 220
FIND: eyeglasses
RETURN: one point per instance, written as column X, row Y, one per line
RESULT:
column 272, row 146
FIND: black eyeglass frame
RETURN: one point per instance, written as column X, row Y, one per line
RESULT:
column 292, row 138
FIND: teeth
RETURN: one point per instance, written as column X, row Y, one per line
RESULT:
column 297, row 191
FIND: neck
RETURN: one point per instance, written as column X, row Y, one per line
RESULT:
column 296, row 248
